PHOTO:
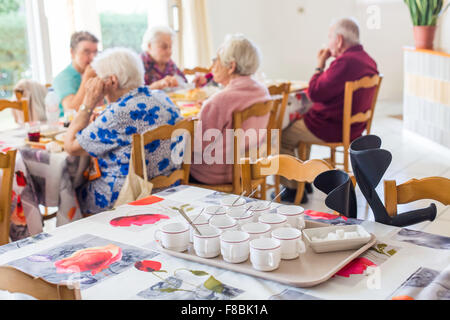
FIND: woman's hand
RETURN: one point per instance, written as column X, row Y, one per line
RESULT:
column 171, row 81
column 167, row 82
column 94, row 92
column 200, row 80
column 89, row 73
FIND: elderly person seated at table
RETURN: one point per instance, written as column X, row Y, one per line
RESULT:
column 70, row 83
column 133, row 108
column 323, row 120
column 160, row 70
column 237, row 60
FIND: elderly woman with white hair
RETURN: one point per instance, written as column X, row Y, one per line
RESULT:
column 160, row 70
column 237, row 60
column 132, row 108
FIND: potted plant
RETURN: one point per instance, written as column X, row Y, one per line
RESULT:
column 424, row 15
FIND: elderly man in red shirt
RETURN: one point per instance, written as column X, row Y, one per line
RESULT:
column 323, row 121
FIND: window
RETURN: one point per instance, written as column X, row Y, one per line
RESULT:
column 123, row 23
column 14, row 59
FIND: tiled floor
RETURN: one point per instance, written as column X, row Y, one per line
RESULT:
column 412, row 158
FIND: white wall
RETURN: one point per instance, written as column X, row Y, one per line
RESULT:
column 290, row 40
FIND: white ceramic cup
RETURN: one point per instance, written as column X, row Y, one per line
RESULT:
column 265, row 254
column 173, row 236
column 294, row 214
column 213, row 211
column 198, row 221
column 292, row 244
column 258, row 208
column 207, row 245
column 224, row 223
column 257, row 230
column 274, row 220
column 241, row 215
column 233, row 201
column 234, row 246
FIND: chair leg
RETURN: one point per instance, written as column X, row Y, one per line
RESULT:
column 303, row 151
column 346, row 155
column 333, row 157
column 263, row 190
column 277, row 188
column 299, row 195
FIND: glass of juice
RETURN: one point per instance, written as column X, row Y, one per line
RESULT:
column 33, row 131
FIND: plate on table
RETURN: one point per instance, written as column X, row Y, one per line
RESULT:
column 60, row 137
column 39, row 145
column 47, row 132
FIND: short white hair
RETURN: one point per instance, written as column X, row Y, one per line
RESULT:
column 124, row 63
column 152, row 35
column 348, row 28
column 237, row 48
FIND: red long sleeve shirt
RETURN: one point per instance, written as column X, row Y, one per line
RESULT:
column 327, row 91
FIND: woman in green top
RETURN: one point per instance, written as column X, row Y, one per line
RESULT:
column 70, row 83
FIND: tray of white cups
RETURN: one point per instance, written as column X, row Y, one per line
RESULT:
column 264, row 240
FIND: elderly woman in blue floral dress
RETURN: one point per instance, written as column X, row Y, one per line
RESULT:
column 133, row 108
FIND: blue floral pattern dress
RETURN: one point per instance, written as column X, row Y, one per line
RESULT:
column 109, row 139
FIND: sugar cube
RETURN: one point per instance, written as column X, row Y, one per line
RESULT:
column 351, row 235
column 332, row 236
column 340, row 233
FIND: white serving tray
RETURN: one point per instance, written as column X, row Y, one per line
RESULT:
column 309, row 270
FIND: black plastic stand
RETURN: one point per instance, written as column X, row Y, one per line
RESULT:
column 341, row 194
column 369, row 163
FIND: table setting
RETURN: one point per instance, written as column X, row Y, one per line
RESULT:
column 131, row 263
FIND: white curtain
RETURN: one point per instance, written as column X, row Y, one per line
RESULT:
column 86, row 18
column 197, row 40
column 444, row 30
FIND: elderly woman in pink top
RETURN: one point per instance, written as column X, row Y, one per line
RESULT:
column 237, row 60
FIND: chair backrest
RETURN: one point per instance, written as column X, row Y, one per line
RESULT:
column 282, row 165
column 195, row 70
column 7, row 165
column 166, row 132
column 435, row 188
column 280, row 94
column 348, row 119
column 16, row 281
column 21, row 104
column 239, row 117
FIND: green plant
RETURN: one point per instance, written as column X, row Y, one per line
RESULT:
column 13, row 46
column 7, row 6
column 426, row 12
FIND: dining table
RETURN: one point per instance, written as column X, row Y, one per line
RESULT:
column 190, row 100
column 400, row 264
column 44, row 178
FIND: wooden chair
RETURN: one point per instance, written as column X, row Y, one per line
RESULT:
column 349, row 119
column 280, row 94
column 21, row 105
column 16, row 281
column 164, row 133
column 195, row 70
column 239, row 117
column 283, row 165
column 435, row 188
column 7, row 164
